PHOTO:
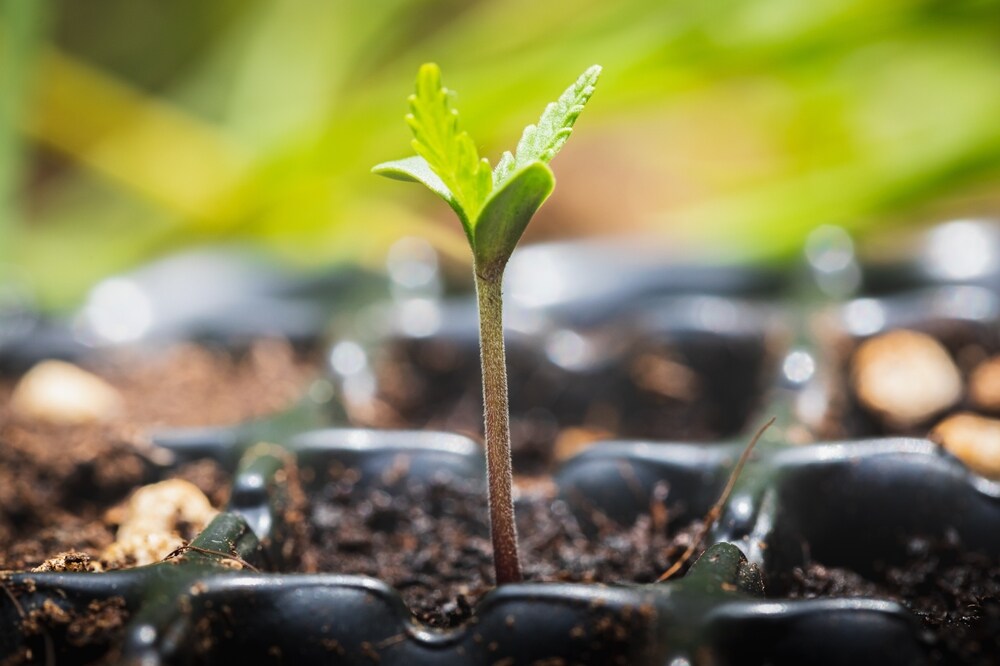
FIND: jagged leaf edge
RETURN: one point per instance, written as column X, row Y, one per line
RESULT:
column 450, row 152
column 566, row 108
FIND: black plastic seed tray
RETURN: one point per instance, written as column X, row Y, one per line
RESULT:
column 224, row 296
column 857, row 502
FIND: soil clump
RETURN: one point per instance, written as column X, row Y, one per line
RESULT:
column 58, row 481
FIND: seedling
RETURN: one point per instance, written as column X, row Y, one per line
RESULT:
column 494, row 207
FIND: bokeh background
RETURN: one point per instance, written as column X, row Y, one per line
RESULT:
column 133, row 128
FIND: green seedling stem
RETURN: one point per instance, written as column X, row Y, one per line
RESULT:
column 494, row 207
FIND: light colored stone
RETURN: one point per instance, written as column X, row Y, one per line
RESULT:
column 139, row 550
column 572, row 441
column 60, row 392
column 973, row 439
column 151, row 518
column 905, row 377
column 984, row 385
column 665, row 377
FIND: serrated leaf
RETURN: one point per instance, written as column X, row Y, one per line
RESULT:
column 504, row 167
column 506, row 214
column 542, row 141
column 494, row 216
column 449, row 153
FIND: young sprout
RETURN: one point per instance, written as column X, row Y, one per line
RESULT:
column 494, row 208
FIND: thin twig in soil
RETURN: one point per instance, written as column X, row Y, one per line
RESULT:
column 713, row 514
column 177, row 552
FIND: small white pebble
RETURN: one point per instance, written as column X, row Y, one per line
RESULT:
column 60, row 392
column 973, row 439
column 905, row 377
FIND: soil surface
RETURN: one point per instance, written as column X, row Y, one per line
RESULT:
column 59, row 484
column 701, row 391
column 431, row 542
column 954, row 593
column 58, row 481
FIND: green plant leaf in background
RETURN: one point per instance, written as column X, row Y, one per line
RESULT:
column 740, row 125
column 21, row 32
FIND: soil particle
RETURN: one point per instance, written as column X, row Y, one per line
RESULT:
column 208, row 477
column 573, row 441
column 954, row 593
column 67, row 562
column 973, row 354
column 973, row 439
column 58, row 480
column 905, row 377
column 432, row 543
column 60, row 392
column 984, row 385
column 654, row 392
column 156, row 520
column 664, row 376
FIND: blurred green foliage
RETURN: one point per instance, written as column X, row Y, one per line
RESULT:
column 737, row 124
column 19, row 33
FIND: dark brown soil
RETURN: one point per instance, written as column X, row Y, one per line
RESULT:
column 57, row 481
column 700, row 393
column 956, row 595
column 431, row 542
column 93, row 634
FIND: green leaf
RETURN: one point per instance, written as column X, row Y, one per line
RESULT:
column 542, row 141
column 416, row 169
column 506, row 214
column 450, row 153
column 494, row 216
